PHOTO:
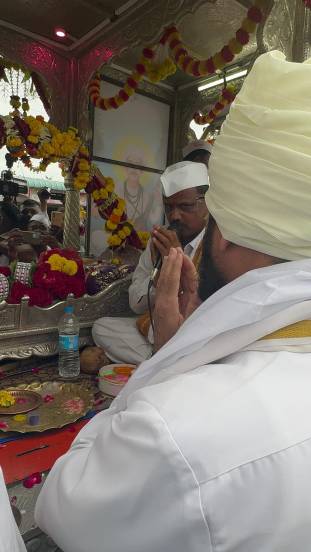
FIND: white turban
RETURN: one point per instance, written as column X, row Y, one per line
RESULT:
column 197, row 145
column 260, row 170
column 182, row 176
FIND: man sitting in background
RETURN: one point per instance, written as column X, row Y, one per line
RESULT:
column 31, row 207
column 184, row 186
column 198, row 151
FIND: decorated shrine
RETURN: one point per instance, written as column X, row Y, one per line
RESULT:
column 97, row 99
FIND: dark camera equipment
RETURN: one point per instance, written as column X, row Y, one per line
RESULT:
column 11, row 186
column 57, row 194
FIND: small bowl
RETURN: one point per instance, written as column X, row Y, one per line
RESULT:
column 112, row 378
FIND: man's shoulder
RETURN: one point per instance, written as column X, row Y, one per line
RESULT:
column 223, row 416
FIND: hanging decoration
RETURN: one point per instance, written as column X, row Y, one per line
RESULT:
column 201, row 68
column 159, row 62
column 6, row 70
column 307, row 3
column 28, row 138
column 226, row 98
column 145, row 67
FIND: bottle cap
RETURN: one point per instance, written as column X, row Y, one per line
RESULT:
column 69, row 309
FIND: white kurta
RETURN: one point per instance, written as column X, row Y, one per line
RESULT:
column 209, row 446
column 119, row 336
column 10, row 537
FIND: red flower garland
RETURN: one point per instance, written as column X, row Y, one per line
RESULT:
column 182, row 58
column 47, row 284
column 227, row 97
column 58, row 283
column 199, row 68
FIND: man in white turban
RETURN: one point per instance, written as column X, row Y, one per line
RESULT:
column 131, row 339
column 208, row 448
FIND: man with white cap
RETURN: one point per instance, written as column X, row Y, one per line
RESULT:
column 184, row 185
column 208, row 447
column 198, row 151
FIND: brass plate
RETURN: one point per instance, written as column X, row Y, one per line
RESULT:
column 25, row 402
column 62, row 403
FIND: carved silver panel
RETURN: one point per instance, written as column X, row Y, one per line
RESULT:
column 35, row 329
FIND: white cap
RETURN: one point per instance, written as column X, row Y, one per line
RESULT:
column 260, row 170
column 43, row 219
column 197, row 145
column 183, row 176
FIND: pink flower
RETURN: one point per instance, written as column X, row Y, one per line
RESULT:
column 35, row 370
column 31, row 480
column 4, row 425
column 21, row 400
column 74, row 406
column 48, row 398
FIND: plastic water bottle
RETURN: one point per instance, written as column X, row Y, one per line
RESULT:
column 68, row 330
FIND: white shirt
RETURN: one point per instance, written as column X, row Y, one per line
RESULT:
column 209, row 452
column 141, row 277
column 10, row 537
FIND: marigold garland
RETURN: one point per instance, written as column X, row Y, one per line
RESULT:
column 31, row 137
column 199, row 68
column 113, row 209
column 145, row 67
column 180, row 57
column 226, row 98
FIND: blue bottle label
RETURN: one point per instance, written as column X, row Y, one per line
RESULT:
column 68, row 342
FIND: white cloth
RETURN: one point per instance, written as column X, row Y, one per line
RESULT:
column 197, row 145
column 10, row 537
column 260, row 169
column 119, row 336
column 43, row 218
column 183, row 176
column 208, row 447
column 121, row 340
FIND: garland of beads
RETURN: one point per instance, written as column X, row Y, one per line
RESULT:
column 200, row 68
column 22, row 272
column 4, row 287
column 226, row 98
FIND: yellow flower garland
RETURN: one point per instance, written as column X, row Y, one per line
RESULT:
column 31, row 137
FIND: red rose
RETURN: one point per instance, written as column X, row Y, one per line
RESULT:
column 40, row 297
column 5, row 270
column 18, row 291
column 77, row 286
